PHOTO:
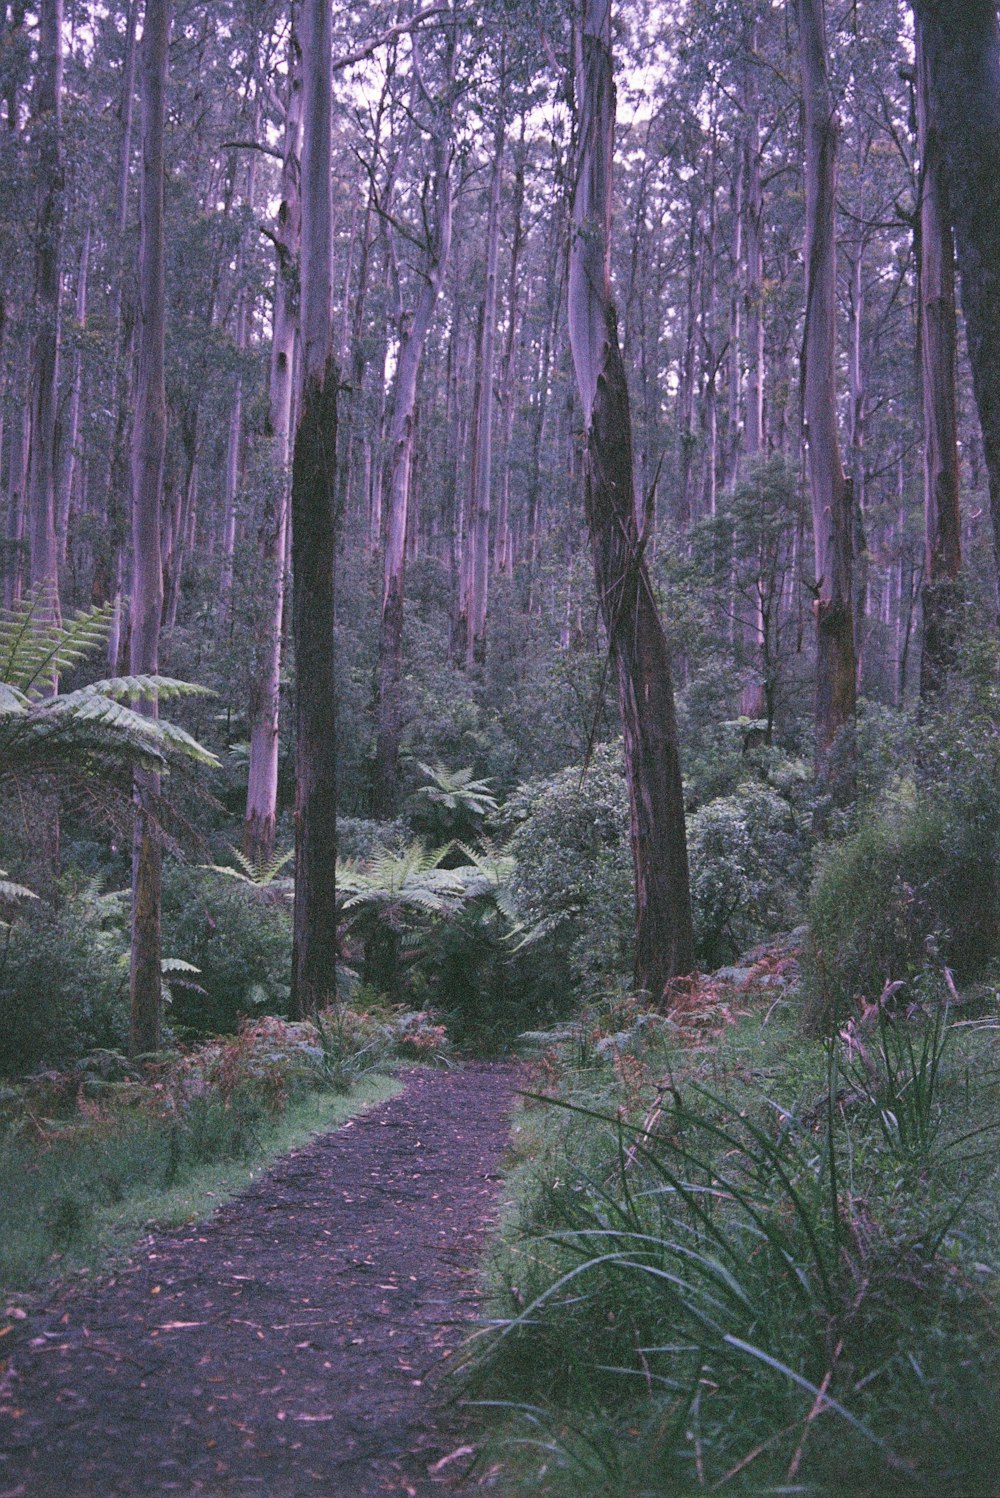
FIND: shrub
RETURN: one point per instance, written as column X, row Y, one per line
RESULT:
column 749, row 861
column 913, row 876
column 240, row 943
column 63, row 980
column 569, row 834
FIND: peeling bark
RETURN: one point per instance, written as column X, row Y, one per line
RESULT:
column 664, row 938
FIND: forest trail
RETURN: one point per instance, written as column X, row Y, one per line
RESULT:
column 291, row 1345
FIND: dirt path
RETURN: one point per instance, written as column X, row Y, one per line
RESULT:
column 289, row 1347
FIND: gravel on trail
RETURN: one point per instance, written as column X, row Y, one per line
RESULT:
column 290, row 1347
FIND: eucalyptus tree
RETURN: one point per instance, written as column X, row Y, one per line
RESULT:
column 942, row 520
column 44, row 555
column 432, row 104
column 831, row 491
column 148, row 448
column 960, row 46
column 313, row 510
column 638, row 647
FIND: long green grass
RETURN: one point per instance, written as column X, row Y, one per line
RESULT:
column 75, row 1196
column 785, row 1283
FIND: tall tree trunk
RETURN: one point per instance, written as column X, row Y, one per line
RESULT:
column 314, row 488
column 942, row 522
column 71, row 456
column 503, row 553
column 18, row 444
column 754, row 236
column 960, row 45
column 832, row 504
column 664, row 938
column 148, row 449
column 481, row 479
column 114, row 494
column 262, row 784
column 388, row 706
column 43, row 559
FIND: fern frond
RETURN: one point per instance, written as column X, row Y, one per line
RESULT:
column 144, row 688
column 11, row 893
column 35, row 649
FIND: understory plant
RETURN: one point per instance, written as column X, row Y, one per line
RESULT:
column 712, row 1285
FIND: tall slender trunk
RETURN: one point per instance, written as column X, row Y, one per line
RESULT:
column 148, row 449
column 754, row 236
column 831, row 492
column 942, row 522
column 388, row 707
column 71, row 455
column 664, row 937
column 960, row 45
column 477, row 601
column 265, row 702
column 116, row 483
column 503, row 551
column 43, row 557
column 17, row 483
column 314, row 491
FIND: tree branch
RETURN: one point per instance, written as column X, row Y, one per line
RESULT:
column 400, row 29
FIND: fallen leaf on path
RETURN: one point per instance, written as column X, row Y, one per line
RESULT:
column 453, row 1456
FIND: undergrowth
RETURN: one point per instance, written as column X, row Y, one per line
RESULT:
column 90, row 1156
column 739, row 1260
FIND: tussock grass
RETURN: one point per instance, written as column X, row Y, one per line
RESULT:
column 765, row 1266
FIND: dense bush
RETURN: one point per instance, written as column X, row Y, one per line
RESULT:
column 748, row 851
column 749, row 870
column 914, row 878
column 569, row 835
column 238, row 937
column 63, row 980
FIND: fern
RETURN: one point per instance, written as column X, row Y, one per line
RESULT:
column 457, row 791
column 92, row 740
column 11, row 893
column 256, row 873
column 35, row 648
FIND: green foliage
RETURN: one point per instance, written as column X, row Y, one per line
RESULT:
column 261, row 874
column 749, row 857
column 452, row 804
column 916, row 875
column 63, row 980
column 728, row 1284
column 569, row 837
column 90, row 739
column 240, row 943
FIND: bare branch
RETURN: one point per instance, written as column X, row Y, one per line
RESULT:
column 400, row 29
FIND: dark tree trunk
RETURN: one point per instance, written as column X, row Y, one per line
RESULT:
column 148, row 448
column 942, row 528
column 664, row 938
column 314, row 487
column 832, row 499
column 961, row 53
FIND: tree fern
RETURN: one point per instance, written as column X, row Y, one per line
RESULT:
column 257, row 873
column 90, row 740
column 34, row 649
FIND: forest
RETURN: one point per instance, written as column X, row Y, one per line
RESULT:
column 499, row 747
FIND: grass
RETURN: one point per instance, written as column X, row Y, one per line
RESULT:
column 751, row 1263
column 78, row 1195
